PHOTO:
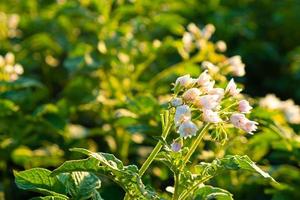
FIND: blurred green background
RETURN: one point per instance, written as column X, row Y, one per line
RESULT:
column 89, row 81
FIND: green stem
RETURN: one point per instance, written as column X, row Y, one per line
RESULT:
column 189, row 191
column 176, row 186
column 150, row 159
column 195, row 145
column 155, row 151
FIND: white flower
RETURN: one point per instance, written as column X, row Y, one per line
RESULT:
column 270, row 101
column 176, row 102
column 2, row 61
column 210, row 67
column 208, row 30
column 211, row 116
column 182, row 113
column 191, row 94
column 244, row 106
column 232, row 88
column 10, row 58
column 207, row 102
column 237, row 66
column 184, row 81
column 221, row 46
column 187, row 41
column 18, row 69
column 187, row 129
column 194, row 30
column 204, row 78
column 217, row 91
column 208, row 87
column 176, row 146
column 291, row 111
column 240, row 121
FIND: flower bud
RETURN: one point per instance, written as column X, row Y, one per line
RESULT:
column 176, row 146
column 221, row 46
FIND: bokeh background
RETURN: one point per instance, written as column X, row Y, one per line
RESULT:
column 90, row 80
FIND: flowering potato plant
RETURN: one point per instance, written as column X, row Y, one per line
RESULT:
column 197, row 108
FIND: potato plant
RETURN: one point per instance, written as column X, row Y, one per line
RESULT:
column 197, row 108
column 95, row 76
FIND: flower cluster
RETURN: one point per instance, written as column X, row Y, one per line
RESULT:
column 288, row 107
column 196, row 38
column 9, row 70
column 213, row 105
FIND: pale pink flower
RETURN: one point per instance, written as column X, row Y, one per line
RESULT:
column 244, row 106
column 187, row 129
column 217, row 91
column 176, row 102
column 184, row 81
column 208, row 87
column 191, row 94
column 207, row 102
column 211, row 116
column 238, row 119
column 182, row 113
column 232, row 88
column 250, row 126
column 204, row 78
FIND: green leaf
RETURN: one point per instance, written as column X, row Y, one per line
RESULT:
column 81, row 185
column 39, row 180
column 7, row 107
column 107, row 164
column 210, row 192
column 230, row 162
column 49, row 198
